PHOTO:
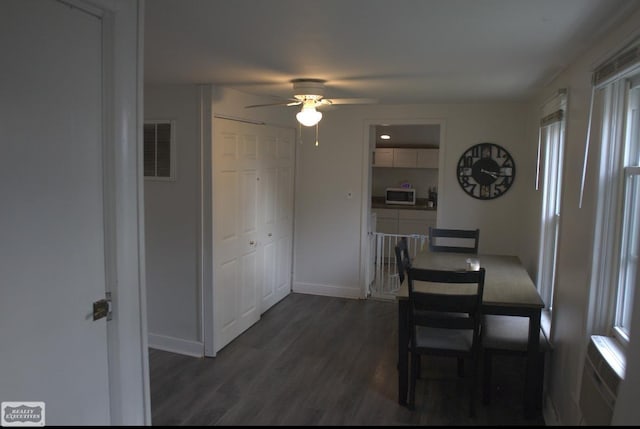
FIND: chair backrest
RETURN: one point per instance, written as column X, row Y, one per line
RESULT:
column 403, row 261
column 460, row 240
column 456, row 292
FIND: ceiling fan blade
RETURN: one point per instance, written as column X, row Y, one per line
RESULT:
column 326, row 107
column 280, row 103
column 352, row 100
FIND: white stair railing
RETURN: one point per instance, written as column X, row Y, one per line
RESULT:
column 386, row 280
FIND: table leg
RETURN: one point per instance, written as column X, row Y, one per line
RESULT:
column 403, row 355
column 533, row 348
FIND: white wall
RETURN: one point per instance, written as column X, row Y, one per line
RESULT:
column 172, row 226
column 328, row 224
column 172, row 212
column 576, row 240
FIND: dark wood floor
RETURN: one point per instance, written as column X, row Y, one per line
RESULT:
column 314, row 360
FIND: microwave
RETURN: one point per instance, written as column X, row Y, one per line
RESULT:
column 400, row 196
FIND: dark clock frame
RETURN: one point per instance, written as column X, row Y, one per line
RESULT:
column 486, row 171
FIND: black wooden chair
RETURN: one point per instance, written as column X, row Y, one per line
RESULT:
column 453, row 240
column 509, row 335
column 403, row 261
column 445, row 320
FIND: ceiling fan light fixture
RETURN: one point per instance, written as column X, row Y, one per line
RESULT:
column 308, row 116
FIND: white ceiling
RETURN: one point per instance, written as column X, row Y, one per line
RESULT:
column 396, row 51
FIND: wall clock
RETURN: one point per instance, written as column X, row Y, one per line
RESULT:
column 486, row 171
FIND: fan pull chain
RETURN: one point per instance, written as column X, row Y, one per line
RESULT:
column 300, row 132
column 317, row 134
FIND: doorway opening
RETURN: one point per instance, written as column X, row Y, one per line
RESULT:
column 400, row 154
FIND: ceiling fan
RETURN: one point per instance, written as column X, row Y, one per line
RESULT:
column 310, row 94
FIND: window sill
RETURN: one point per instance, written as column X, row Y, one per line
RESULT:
column 545, row 325
column 612, row 352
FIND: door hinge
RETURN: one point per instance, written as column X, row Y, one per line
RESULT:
column 103, row 308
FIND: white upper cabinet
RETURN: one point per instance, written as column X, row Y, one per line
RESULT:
column 427, row 158
column 405, row 158
column 383, row 157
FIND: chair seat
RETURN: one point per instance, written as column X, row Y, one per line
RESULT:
column 446, row 323
column 508, row 333
column 439, row 338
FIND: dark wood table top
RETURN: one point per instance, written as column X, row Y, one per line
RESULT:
column 507, row 283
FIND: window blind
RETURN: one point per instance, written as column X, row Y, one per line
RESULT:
column 553, row 111
column 616, row 67
column 552, row 118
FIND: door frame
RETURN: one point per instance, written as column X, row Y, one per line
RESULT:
column 122, row 39
column 368, row 146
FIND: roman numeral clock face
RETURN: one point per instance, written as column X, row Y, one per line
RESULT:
column 486, row 171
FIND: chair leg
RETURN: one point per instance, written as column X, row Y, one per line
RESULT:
column 411, row 403
column 474, row 387
column 486, row 378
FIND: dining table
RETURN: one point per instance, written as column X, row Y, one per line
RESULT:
column 508, row 290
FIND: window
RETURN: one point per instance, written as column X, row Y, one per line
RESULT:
column 159, row 150
column 618, row 218
column 630, row 216
column 550, row 159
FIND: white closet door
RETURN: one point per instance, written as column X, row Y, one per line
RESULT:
column 253, row 223
column 269, row 218
column 237, row 260
column 276, row 228
column 284, row 226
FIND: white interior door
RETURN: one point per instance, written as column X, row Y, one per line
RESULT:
column 237, row 262
column 52, row 229
column 276, row 212
column 253, row 223
column 269, row 218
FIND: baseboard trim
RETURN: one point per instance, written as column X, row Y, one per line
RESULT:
column 176, row 345
column 327, row 290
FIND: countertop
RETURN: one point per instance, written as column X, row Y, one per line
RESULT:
column 421, row 204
